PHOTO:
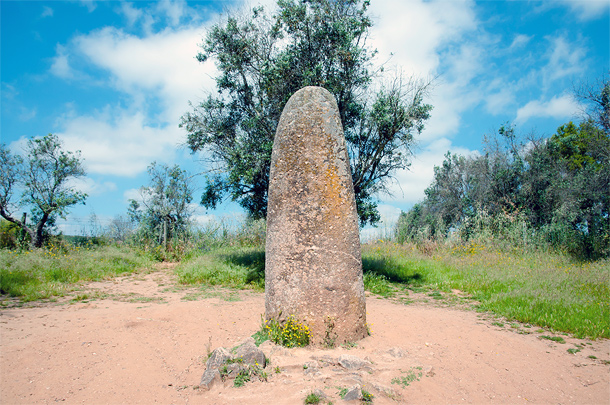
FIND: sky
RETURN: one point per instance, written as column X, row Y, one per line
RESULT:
column 113, row 78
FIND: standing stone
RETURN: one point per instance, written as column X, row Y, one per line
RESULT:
column 313, row 266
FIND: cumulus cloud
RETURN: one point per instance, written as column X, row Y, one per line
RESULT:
column 416, row 34
column 410, row 184
column 157, row 72
column 90, row 4
column 60, row 66
column 118, row 142
column 173, row 10
column 413, row 31
column 131, row 13
column 558, row 107
column 163, row 64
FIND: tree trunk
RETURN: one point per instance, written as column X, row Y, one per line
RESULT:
column 38, row 237
column 165, row 233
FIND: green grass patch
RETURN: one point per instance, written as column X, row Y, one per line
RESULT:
column 408, row 377
column 557, row 339
column 540, row 288
column 44, row 273
column 312, row 398
column 239, row 268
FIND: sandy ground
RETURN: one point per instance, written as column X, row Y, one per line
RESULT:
column 142, row 340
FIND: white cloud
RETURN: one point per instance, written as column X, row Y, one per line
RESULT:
column 423, row 38
column 520, row 41
column 60, row 66
column 564, row 59
column 131, row 13
column 46, row 12
column 91, row 187
column 158, row 72
column 90, row 4
column 132, row 194
column 163, row 64
column 410, row 184
column 558, row 107
column 118, row 142
column 173, row 10
column 589, row 9
column 413, row 31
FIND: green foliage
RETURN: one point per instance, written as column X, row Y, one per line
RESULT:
column 166, row 213
column 242, row 378
column 557, row 339
column 312, row 398
column 551, row 192
column 288, row 333
column 43, row 175
column 410, row 376
column 53, row 271
column 9, row 234
column 263, row 60
column 367, row 397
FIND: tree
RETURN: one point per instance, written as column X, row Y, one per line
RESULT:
column 43, row 177
column 262, row 61
column 596, row 101
column 166, row 201
column 556, row 187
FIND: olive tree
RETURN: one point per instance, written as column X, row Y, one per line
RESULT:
column 43, row 179
column 262, row 60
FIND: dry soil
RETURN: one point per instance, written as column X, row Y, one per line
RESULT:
column 141, row 340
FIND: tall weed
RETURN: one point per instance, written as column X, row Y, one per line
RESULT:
column 52, row 271
column 542, row 288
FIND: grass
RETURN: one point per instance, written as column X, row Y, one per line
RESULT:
column 540, row 288
column 239, row 268
column 312, row 398
column 557, row 339
column 54, row 271
column 410, row 376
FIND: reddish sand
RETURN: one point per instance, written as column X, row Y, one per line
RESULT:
column 141, row 342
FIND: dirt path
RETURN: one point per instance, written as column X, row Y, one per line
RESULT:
column 141, row 339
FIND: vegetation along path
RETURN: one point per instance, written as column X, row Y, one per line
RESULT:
column 143, row 338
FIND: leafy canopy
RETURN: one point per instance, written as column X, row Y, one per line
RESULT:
column 166, row 211
column 262, row 60
column 43, row 177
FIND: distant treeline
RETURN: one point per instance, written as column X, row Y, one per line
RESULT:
column 541, row 192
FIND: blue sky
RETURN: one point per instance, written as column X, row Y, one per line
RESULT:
column 113, row 78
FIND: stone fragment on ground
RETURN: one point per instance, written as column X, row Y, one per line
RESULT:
column 354, row 393
column 353, row 362
column 225, row 364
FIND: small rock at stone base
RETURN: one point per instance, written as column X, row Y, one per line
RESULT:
column 218, row 357
column 353, row 393
column 353, row 362
column 387, row 391
column 396, row 352
column 250, row 354
column 429, row 371
column 321, row 394
column 210, row 377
